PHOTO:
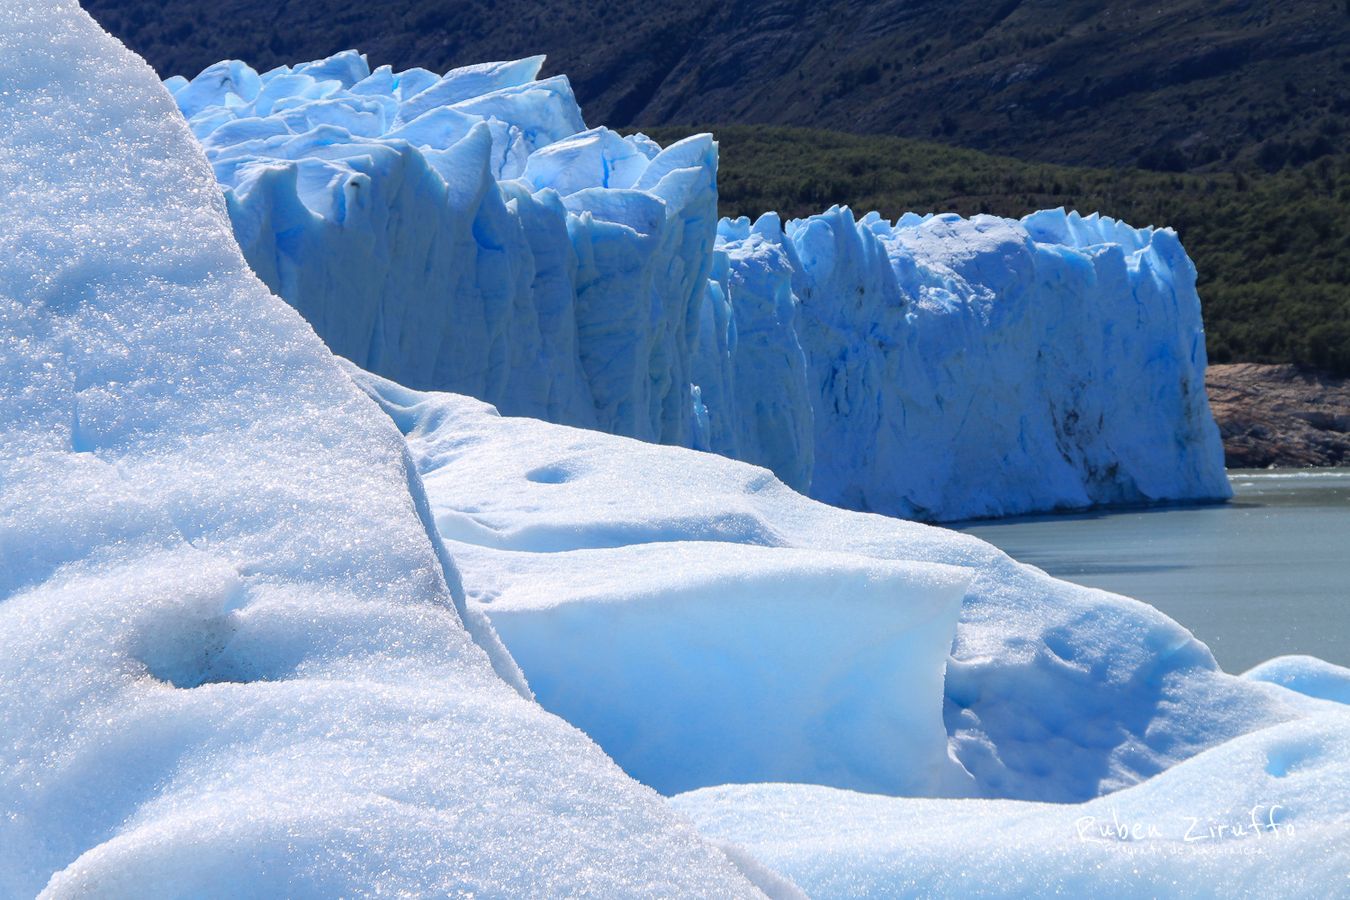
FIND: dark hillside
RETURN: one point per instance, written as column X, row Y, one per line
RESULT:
column 1181, row 85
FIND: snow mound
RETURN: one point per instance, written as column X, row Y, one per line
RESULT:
column 1306, row 675
column 468, row 233
column 1263, row 812
column 1052, row 691
column 198, row 685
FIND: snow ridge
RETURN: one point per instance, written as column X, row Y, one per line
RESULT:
column 629, row 580
column 230, row 655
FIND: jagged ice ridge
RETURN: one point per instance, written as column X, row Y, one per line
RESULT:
column 468, row 233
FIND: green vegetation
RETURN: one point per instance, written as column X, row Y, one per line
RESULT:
column 1272, row 250
column 1182, row 85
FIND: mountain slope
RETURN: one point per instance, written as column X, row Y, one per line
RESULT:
column 1193, row 83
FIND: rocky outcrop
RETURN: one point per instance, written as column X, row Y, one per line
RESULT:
column 1280, row 415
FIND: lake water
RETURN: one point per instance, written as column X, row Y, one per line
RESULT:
column 1263, row 575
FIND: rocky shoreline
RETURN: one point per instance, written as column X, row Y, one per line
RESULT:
column 1280, row 416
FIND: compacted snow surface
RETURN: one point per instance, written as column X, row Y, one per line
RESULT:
column 637, row 587
column 230, row 656
column 562, row 528
column 1263, row 815
column 271, row 625
column 467, row 232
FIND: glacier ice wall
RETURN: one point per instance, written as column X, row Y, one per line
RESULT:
column 983, row 367
column 467, row 232
column 233, row 655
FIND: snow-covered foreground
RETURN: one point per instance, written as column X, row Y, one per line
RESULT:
column 467, row 232
column 654, row 596
column 247, row 640
column 1263, row 815
column 616, row 548
column 230, row 656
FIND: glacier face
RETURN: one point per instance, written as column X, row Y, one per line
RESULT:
column 987, row 367
column 233, row 655
column 467, row 232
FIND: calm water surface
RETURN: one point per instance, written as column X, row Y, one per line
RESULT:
column 1263, row 575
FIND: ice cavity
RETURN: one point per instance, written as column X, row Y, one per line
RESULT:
column 467, row 232
column 671, row 600
column 201, row 689
column 714, row 663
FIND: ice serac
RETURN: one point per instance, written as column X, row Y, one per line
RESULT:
column 670, row 600
column 230, row 653
column 988, row 367
column 467, row 232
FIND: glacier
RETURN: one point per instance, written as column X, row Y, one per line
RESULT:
column 274, row 625
column 467, row 232
column 234, row 658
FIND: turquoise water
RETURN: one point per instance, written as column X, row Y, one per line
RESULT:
column 1264, row 575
